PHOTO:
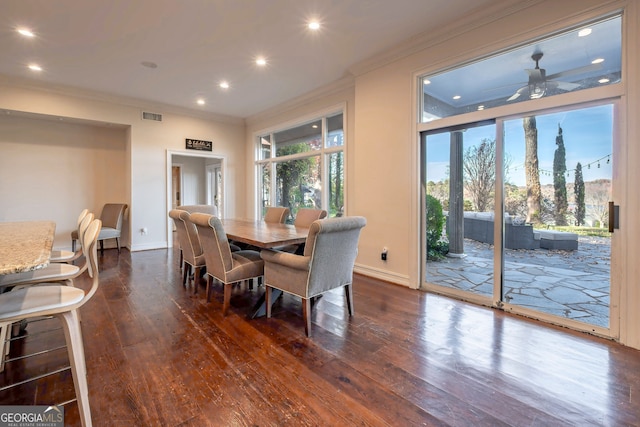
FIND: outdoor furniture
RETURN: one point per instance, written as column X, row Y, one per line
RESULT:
column 558, row 240
column 329, row 256
column 479, row 226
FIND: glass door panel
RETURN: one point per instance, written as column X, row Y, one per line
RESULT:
column 459, row 173
column 557, row 186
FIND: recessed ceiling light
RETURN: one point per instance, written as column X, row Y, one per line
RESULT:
column 602, row 81
column 35, row 67
column 597, row 61
column 314, row 25
column 261, row 61
column 224, row 84
column 584, row 32
column 426, row 82
column 480, row 107
column 201, row 101
column 314, row 126
column 26, row 32
column 457, row 97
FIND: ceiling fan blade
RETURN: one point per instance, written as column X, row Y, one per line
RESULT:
column 575, row 71
column 518, row 93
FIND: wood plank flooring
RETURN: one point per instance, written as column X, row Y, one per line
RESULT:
column 157, row 355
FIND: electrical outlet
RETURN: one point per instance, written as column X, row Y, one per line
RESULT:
column 383, row 255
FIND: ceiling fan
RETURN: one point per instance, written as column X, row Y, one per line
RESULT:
column 539, row 83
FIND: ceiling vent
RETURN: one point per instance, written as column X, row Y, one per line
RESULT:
column 151, row 116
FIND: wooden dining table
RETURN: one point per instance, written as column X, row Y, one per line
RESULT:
column 25, row 245
column 264, row 235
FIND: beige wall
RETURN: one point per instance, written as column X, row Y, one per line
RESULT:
column 54, row 169
column 146, row 145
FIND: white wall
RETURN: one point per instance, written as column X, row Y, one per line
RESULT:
column 147, row 143
column 51, row 170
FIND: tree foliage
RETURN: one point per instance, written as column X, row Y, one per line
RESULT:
column 578, row 188
column 479, row 165
column 292, row 175
column 559, row 181
column 437, row 247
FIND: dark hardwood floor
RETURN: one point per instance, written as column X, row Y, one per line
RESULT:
column 159, row 356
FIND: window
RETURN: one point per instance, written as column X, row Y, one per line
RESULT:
column 303, row 166
column 582, row 58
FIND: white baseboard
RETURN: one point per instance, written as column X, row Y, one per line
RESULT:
column 387, row 276
column 148, row 246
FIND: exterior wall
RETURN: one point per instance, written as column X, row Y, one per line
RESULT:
column 146, row 144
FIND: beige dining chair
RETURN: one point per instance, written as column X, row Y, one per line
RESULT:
column 276, row 214
column 190, row 246
column 327, row 263
column 304, row 218
column 111, row 217
column 62, row 273
column 61, row 302
column 222, row 264
column 70, row 256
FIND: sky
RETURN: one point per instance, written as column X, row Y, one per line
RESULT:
column 587, row 134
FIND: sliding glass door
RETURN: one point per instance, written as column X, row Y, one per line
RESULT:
column 516, row 213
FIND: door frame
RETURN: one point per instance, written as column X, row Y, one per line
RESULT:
column 168, row 178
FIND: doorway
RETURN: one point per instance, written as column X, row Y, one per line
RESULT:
column 189, row 182
column 517, row 214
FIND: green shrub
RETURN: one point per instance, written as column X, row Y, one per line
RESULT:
column 437, row 245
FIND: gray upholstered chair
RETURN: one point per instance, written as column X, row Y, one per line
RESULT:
column 74, row 233
column 304, row 218
column 222, row 264
column 208, row 209
column 111, row 217
column 327, row 263
column 276, row 214
column 190, row 247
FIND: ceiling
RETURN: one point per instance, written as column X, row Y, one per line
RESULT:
column 102, row 45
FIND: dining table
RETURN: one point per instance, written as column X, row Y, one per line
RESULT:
column 25, row 245
column 263, row 235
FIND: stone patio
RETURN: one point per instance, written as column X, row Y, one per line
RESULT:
column 570, row 284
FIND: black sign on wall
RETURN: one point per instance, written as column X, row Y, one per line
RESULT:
column 196, row 144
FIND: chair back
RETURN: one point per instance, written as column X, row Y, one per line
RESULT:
column 208, row 209
column 306, row 216
column 277, row 214
column 112, row 214
column 187, row 235
column 82, row 227
column 215, row 245
column 90, row 247
column 332, row 245
column 81, row 216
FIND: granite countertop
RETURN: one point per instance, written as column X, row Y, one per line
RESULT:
column 25, row 246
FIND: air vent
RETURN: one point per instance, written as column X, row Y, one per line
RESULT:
column 151, row 116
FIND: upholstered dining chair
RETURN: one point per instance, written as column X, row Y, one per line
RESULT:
column 208, row 209
column 190, row 247
column 222, row 264
column 54, row 272
column 304, row 218
column 111, row 217
column 276, row 214
column 327, row 263
column 70, row 256
column 63, row 303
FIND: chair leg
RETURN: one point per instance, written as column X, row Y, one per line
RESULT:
column 196, row 280
column 118, row 244
column 101, row 247
column 73, row 245
column 306, row 315
column 185, row 274
column 348, row 291
column 5, row 329
column 73, row 336
column 209, row 283
column 227, row 298
column 267, row 299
